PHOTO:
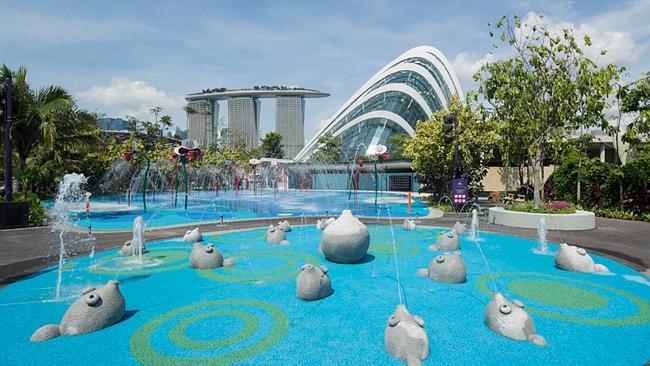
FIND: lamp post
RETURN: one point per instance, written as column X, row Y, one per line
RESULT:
column 375, row 151
column 6, row 91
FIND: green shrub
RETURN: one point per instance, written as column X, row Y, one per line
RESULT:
column 594, row 174
column 36, row 213
column 636, row 184
column 613, row 213
column 558, row 207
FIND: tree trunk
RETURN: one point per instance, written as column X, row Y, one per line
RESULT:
column 578, row 180
column 538, row 185
column 620, row 193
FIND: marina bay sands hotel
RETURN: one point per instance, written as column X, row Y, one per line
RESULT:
column 244, row 115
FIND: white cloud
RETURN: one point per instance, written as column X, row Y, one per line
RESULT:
column 465, row 67
column 124, row 96
column 620, row 45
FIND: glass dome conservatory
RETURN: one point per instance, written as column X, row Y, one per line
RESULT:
column 407, row 90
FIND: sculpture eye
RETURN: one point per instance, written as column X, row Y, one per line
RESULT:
column 450, row 234
column 581, row 251
column 505, row 309
column 209, row 248
column 440, row 259
column 93, row 299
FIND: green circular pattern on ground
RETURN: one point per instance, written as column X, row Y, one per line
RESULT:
column 558, row 294
column 172, row 257
column 642, row 316
column 293, row 260
column 143, row 351
column 386, row 249
column 177, row 333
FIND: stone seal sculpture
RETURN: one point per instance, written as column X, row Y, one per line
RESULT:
column 449, row 241
column 459, row 228
column 511, row 320
column 447, row 267
column 405, row 338
column 96, row 309
column 322, row 223
column 193, row 236
column 346, row 240
column 285, row 226
column 274, row 235
column 575, row 259
column 313, row 283
column 129, row 249
column 409, row 225
column 208, row 257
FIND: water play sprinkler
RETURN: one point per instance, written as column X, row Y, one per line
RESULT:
column 128, row 155
column 377, row 152
column 188, row 151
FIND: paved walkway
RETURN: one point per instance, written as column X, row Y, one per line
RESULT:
column 26, row 251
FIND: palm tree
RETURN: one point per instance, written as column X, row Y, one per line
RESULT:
column 34, row 121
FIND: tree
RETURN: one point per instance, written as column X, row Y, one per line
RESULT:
column 155, row 111
column 165, row 122
column 329, row 150
column 396, row 144
column 433, row 159
column 547, row 89
column 272, row 146
column 635, row 98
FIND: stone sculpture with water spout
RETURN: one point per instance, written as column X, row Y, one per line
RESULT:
column 193, row 236
column 409, row 225
column 447, row 267
column 405, row 338
column 510, row 320
column 447, row 241
column 313, row 283
column 94, row 310
column 275, row 235
column 208, row 257
column 575, row 259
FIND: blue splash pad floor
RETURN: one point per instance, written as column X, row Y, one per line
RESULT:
column 249, row 315
column 206, row 206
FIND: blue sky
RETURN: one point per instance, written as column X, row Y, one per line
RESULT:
column 124, row 57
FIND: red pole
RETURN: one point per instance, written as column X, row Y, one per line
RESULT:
column 409, row 202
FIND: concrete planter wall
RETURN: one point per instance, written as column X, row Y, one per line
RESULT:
column 580, row 220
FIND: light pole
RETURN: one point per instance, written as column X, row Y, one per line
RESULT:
column 5, row 91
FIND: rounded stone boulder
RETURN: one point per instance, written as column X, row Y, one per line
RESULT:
column 346, row 240
column 313, row 283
